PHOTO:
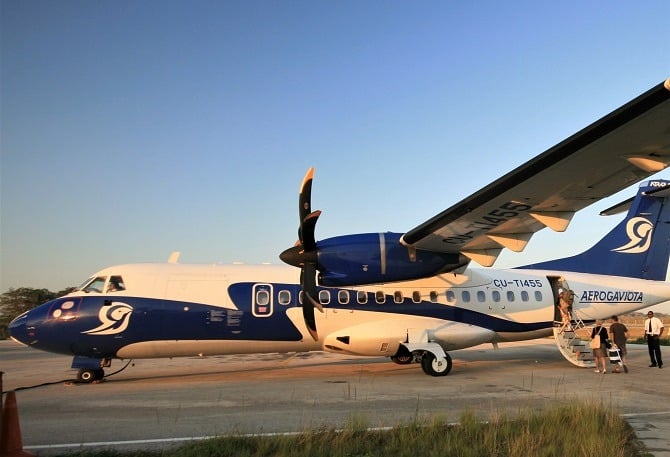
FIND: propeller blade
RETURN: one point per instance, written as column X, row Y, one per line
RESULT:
column 307, row 231
column 308, row 284
column 305, row 198
column 304, row 254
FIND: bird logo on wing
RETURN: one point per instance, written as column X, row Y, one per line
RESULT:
column 639, row 232
column 114, row 318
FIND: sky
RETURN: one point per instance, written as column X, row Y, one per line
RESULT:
column 131, row 129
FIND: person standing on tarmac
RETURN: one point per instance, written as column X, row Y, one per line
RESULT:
column 619, row 334
column 600, row 353
column 653, row 329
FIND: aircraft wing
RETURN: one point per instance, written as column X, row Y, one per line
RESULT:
column 622, row 148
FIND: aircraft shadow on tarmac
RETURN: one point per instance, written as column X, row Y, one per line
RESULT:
column 324, row 365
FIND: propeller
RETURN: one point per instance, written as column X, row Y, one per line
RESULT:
column 304, row 254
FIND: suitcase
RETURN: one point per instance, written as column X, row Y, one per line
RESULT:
column 615, row 358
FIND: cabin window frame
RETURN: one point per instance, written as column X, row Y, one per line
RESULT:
column 324, row 297
column 284, row 297
column 343, row 297
column 263, row 300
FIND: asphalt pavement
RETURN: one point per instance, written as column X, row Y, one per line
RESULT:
column 163, row 402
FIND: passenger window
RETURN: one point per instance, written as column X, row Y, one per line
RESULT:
column 380, row 297
column 465, row 295
column 433, row 296
column 362, row 297
column 115, row 284
column 301, row 296
column 496, row 296
column 416, row 296
column 324, row 297
column 262, row 297
column 343, row 297
column 524, row 295
column 397, row 296
column 451, row 296
column 284, row 297
column 538, row 295
column 481, row 296
column 510, row 296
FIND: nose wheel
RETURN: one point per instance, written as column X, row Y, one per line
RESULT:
column 89, row 375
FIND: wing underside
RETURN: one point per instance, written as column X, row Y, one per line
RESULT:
column 622, row 148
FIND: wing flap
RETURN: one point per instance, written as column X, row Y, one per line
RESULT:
column 513, row 241
column 558, row 221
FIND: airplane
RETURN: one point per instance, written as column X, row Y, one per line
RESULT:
column 413, row 296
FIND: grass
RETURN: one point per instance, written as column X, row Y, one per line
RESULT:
column 583, row 430
column 641, row 340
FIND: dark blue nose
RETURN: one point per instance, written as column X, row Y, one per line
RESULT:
column 20, row 329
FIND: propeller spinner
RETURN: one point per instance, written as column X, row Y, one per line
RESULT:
column 304, row 254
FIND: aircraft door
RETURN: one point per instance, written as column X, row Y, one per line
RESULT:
column 563, row 299
column 262, row 302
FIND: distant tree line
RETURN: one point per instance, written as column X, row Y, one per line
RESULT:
column 17, row 301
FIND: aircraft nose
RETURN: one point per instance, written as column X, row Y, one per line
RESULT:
column 20, row 329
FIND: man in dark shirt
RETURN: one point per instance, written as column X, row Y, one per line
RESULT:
column 619, row 334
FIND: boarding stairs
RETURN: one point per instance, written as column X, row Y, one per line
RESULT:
column 573, row 343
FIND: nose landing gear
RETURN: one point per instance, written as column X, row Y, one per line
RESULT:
column 88, row 375
column 90, row 369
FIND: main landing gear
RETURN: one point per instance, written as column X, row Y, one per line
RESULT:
column 434, row 361
column 435, row 366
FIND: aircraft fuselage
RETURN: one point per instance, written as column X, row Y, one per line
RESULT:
column 172, row 310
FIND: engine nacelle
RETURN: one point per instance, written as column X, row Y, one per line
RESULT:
column 371, row 258
column 457, row 335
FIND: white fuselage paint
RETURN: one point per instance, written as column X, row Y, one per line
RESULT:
column 518, row 297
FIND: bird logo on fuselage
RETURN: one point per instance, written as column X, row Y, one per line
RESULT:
column 639, row 232
column 114, row 318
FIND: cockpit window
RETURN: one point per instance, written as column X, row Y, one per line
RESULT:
column 115, row 284
column 97, row 284
column 94, row 285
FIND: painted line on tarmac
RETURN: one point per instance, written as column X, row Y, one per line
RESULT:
column 116, row 443
column 174, row 440
column 660, row 413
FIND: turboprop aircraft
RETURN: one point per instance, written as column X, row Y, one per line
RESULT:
column 409, row 296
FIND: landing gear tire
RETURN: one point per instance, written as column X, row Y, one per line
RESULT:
column 434, row 367
column 89, row 375
column 402, row 357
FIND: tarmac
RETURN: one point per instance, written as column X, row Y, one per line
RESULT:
column 164, row 402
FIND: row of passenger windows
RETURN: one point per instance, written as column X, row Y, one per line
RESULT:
column 343, row 297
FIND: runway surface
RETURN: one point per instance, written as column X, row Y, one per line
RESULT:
column 161, row 402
